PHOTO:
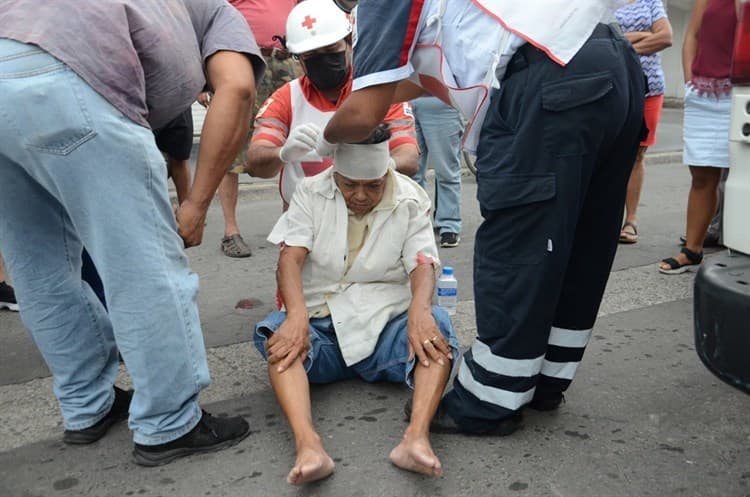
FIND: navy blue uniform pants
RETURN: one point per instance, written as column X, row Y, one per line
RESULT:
column 554, row 159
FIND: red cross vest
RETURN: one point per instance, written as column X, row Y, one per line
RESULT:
column 303, row 112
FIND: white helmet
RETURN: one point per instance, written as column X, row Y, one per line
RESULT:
column 314, row 24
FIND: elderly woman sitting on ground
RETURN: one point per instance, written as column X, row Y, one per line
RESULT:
column 356, row 275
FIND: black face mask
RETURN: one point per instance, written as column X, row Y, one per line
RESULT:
column 327, row 70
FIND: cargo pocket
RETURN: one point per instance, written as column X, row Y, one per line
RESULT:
column 517, row 209
column 572, row 119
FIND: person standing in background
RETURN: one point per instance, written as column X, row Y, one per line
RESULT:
column 439, row 130
column 646, row 26
column 267, row 20
column 706, row 63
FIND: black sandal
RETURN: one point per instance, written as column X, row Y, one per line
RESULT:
column 675, row 267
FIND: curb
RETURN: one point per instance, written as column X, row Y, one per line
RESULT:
column 669, row 157
column 674, row 102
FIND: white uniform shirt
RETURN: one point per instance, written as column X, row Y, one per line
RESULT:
column 463, row 23
column 477, row 39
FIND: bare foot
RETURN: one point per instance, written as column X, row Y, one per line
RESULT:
column 416, row 455
column 312, row 464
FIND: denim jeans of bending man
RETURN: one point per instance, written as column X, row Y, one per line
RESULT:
column 439, row 131
column 75, row 171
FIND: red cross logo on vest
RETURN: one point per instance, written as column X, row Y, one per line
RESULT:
column 309, row 22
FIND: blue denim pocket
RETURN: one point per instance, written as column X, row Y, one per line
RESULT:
column 56, row 121
column 67, row 125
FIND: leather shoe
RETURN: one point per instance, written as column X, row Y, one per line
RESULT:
column 209, row 435
column 117, row 412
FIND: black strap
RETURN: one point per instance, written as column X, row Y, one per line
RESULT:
column 693, row 257
column 673, row 263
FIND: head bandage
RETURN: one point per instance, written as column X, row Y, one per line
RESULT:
column 362, row 162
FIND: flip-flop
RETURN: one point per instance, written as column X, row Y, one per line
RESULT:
column 627, row 237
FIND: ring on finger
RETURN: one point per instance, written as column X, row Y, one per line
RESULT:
column 434, row 338
column 427, row 342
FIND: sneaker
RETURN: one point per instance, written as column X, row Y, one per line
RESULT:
column 118, row 412
column 235, row 246
column 449, row 240
column 209, row 435
column 7, row 297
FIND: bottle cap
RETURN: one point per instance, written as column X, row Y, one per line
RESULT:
column 448, row 270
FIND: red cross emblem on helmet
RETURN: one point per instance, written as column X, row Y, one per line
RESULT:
column 309, row 22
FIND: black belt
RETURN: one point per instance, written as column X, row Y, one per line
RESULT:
column 528, row 54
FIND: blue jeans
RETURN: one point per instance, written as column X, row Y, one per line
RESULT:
column 75, row 171
column 439, row 130
column 389, row 362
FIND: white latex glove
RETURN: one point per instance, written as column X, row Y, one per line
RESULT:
column 300, row 142
column 324, row 148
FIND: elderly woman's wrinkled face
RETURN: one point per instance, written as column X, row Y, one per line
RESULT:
column 361, row 196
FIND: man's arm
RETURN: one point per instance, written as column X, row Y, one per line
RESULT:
column 292, row 340
column 425, row 338
column 360, row 114
column 406, row 91
column 263, row 159
column 300, row 142
column 230, row 75
column 386, row 32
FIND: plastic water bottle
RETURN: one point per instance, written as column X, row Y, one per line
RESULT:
column 447, row 291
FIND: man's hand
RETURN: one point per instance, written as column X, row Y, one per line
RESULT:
column 425, row 338
column 300, row 142
column 292, row 340
column 191, row 219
